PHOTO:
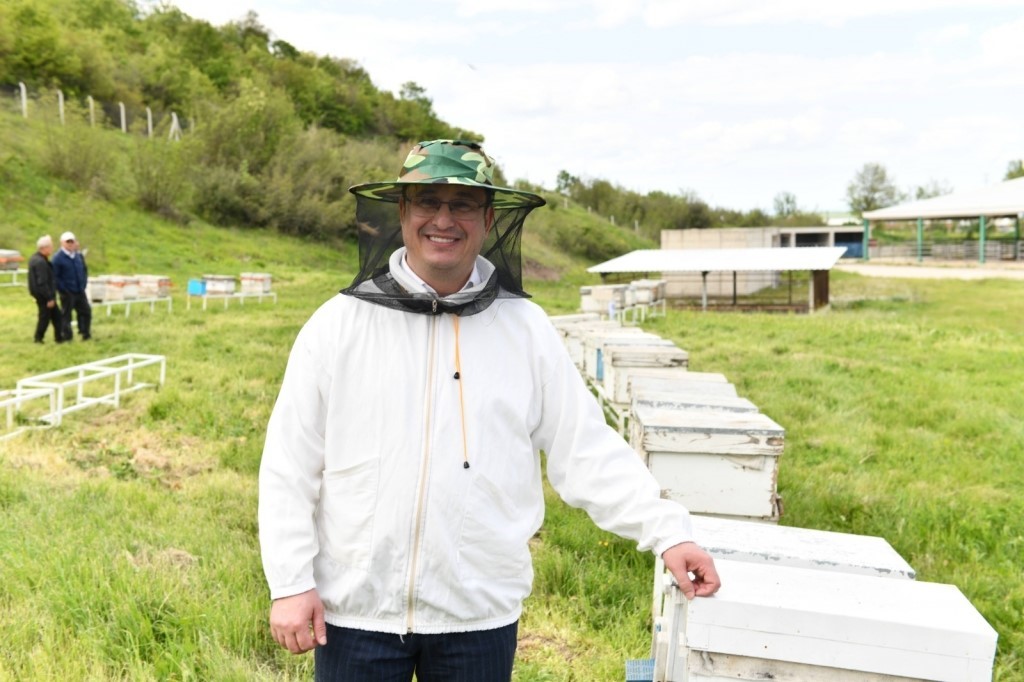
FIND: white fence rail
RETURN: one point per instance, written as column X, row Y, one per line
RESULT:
column 101, row 382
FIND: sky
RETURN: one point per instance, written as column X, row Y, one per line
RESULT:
column 735, row 101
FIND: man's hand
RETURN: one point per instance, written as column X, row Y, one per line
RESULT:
column 686, row 558
column 297, row 622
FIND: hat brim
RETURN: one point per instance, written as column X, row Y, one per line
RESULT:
column 504, row 197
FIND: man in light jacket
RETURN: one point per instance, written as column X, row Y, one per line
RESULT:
column 42, row 286
column 401, row 475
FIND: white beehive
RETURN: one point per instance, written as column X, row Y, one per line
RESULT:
column 802, row 625
column 687, row 400
column 720, row 463
column 602, row 347
column 618, row 360
column 115, row 286
column 573, row 337
column 130, row 287
column 682, row 382
column 649, row 290
column 596, row 299
column 256, row 282
column 154, row 286
column 674, row 377
column 561, row 321
column 750, row 541
column 10, row 259
column 593, row 340
column 219, row 285
column 97, row 288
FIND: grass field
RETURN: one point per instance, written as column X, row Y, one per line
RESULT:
column 128, row 537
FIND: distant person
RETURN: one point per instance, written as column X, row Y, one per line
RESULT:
column 401, row 476
column 42, row 285
column 72, row 278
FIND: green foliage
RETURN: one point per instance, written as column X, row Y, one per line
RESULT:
column 870, row 189
column 1014, row 169
column 80, row 154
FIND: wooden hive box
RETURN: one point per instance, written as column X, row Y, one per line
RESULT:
column 802, row 625
column 560, row 321
column 219, row 285
column 573, row 337
column 10, row 259
column 617, row 360
column 255, row 282
column 594, row 340
column 671, row 379
column 720, row 463
column 688, row 400
column 650, row 347
column 823, row 550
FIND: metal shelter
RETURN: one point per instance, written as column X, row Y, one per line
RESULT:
column 818, row 260
column 1003, row 200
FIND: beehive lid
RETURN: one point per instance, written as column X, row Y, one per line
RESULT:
column 910, row 628
column 750, row 541
column 703, row 431
column 675, row 400
column 650, row 350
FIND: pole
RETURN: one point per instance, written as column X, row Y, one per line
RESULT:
column 981, row 240
column 920, row 239
column 867, row 239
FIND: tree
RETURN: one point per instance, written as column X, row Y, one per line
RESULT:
column 785, row 204
column 565, row 182
column 870, row 189
column 1015, row 169
column 933, row 188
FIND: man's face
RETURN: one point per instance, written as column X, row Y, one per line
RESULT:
column 46, row 249
column 443, row 240
column 70, row 244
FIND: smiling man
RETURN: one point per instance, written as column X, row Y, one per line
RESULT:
column 401, row 476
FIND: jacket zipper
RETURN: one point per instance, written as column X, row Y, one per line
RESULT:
column 421, row 493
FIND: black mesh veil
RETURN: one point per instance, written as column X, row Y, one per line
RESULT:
column 380, row 235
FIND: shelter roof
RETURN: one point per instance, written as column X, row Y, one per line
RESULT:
column 668, row 261
column 993, row 201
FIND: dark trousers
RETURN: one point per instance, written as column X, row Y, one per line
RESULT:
column 363, row 656
column 48, row 316
column 83, row 314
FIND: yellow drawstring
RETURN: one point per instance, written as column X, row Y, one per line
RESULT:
column 462, row 403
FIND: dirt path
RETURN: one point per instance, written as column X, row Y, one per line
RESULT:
column 931, row 270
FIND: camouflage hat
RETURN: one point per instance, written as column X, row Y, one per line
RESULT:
column 453, row 162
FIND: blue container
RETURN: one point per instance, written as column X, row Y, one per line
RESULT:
column 196, row 287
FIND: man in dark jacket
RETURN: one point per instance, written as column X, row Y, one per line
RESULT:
column 72, row 277
column 43, row 287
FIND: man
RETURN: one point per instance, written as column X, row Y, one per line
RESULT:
column 72, row 277
column 401, row 475
column 43, row 287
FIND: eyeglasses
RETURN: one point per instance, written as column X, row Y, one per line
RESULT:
column 426, row 205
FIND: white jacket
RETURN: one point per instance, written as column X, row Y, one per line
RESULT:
column 363, row 490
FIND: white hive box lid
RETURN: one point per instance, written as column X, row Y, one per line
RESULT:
column 560, row 321
column 675, row 400
column 750, row 541
column 595, row 341
column 623, row 387
column 841, row 621
column 702, row 431
column 646, row 352
column 679, row 381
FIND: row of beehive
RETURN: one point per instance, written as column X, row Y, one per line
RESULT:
column 225, row 285
column 10, row 259
column 599, row 298
column 106, row 288
column 796, row 604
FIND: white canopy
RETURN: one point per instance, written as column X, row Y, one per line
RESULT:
column 993, row 201
column 667, row 261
